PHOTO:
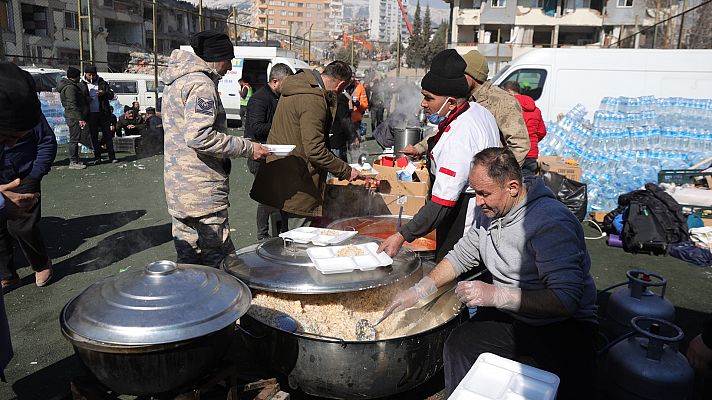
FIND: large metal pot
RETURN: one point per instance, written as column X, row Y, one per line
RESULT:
column 405, row 136
column 156, row 330
column 333, row 368
column 383, row 226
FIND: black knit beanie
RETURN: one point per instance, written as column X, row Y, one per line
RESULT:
column 90, row 69
column 447, row 75
column 212, row 46
column 19, row 105
column 72, row 73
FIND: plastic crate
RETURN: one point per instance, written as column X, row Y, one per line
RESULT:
column 126, row 144
column 683, row 176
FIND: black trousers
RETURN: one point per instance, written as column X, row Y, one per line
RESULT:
column 264, row 212
column 75, row 135
column 26, row 231
column 97, row 121
column 376, row 117
column 565, row 348
column 530, row 167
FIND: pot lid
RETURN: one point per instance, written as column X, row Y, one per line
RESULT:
column 163, row 302
column 276, row 267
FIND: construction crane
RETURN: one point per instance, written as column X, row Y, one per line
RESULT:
column 405, row 17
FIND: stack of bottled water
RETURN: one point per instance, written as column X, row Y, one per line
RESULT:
column 54, row 113
column 629, row 141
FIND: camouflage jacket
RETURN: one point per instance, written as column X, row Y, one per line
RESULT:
column 509, row 116
column 197, row 148
column 510, row 120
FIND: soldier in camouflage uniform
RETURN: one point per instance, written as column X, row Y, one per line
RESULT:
column 197, row 150
column 505, row 109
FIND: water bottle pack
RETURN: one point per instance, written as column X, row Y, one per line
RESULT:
column 629, row 141
column 53, row 111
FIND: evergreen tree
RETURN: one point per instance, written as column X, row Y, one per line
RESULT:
column 414, row 53
column 439, row 42
column 427, row 33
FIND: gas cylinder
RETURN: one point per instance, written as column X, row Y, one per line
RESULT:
column 636, row 300
column 645, row 364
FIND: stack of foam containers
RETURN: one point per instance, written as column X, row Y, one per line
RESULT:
column 497, row 378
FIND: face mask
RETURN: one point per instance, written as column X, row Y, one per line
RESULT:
column 435, row 118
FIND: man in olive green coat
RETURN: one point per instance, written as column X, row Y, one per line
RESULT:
column 295, row 184
column 505, row 109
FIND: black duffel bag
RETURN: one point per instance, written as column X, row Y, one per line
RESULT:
column 573, row 194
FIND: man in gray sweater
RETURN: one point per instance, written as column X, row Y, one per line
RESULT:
column 542, row 301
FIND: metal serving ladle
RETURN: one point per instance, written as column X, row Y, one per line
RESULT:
column 366, row 331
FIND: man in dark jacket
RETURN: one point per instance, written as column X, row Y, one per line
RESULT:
column 99, row 113
column 131, row 123
column 75, row 100
column 151, row 135
column 19, row 113
column 296, row 184
column 30, row 159
column 260, row 111
column 342, row 130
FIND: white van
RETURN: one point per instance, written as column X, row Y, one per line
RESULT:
column 133, row 87
column 253, row 64
column 558, row 79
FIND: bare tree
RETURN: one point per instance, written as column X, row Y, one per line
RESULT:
column 700, row 34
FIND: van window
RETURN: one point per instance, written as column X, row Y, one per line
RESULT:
column 530, row 80
column 124, row 87
column 150, row 86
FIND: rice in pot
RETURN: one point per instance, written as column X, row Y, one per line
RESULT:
column 335, row 315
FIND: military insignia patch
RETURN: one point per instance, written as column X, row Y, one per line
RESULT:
column 205, row 106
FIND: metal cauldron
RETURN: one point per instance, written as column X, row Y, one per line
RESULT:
column 157, row 330
column 405, row 136
column 333, row 368
column 383, row 226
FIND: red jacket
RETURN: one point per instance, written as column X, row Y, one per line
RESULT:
column 535, row 123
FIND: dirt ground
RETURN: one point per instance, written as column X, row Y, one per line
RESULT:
column 109, row 218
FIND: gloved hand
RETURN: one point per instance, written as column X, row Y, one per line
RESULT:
column 407, row 298
column 478, row 293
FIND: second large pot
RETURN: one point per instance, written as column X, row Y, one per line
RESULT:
column 155, row 330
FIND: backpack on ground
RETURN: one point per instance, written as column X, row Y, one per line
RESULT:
column 653, row 220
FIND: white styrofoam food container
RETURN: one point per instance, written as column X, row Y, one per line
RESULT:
column 325, row 259
column 365, row 169
column 497, row 378
column 280, row 149
column 318, row 236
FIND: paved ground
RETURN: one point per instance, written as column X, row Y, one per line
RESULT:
column 105, row 219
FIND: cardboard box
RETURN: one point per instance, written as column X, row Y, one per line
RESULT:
column 557, row 164
column 389, row 183
column 597, row 216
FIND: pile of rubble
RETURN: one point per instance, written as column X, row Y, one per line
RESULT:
column 142, row 63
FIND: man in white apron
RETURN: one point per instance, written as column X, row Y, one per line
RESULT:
column 464, row 129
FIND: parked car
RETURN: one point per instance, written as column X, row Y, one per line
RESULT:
column 46, row 79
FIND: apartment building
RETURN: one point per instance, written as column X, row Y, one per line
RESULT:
column 46, row 31
column 385, row 20
column 503, row 29
column 324, row 17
